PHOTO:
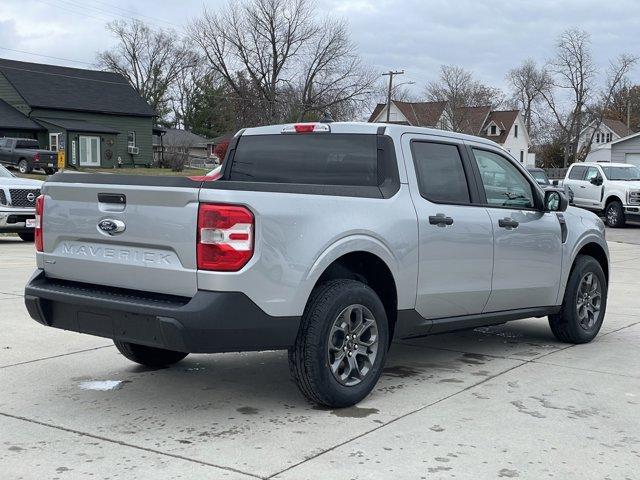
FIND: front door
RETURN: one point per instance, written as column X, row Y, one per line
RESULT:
column 592, row 194
column 89, row 151
column 527, row 258
column 455, row 237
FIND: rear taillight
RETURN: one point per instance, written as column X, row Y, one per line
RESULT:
column 38, row 240
column 36, row 157
column 225, row 237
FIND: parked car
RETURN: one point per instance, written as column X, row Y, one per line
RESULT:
column 324, row 239
column 540, row 176
column 27, row 155
column 17, row 204
column 612, row 188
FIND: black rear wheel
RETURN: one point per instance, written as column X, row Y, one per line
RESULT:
column 24, row 167
column 149, row 356
column 584, row 304
column 341, row 346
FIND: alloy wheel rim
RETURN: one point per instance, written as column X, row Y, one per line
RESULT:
column 612, row 215
column 588, row 301
column 352, row 346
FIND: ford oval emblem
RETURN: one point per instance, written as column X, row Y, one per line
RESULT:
column 111, row 227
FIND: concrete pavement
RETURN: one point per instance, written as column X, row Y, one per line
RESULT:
column 499, row 402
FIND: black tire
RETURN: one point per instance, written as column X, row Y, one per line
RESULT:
column 309, row 357
column 614, row 214
column 24, row 167
column 149, row 356
column 49, row 171
column 566, row 325
column 26, row 236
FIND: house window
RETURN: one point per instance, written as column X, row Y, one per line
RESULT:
column 608, row 137
column 493, row 130
column 597, row 137
column 521, row 156
column 54, row 141
column 515, row 132
column 131, row 139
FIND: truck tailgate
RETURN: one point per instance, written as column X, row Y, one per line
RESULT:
column 156, row 250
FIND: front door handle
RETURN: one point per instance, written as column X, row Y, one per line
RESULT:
column 440, row 219
column 582, row 186
column 508, row 223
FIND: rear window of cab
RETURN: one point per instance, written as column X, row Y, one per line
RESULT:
column 321, row 159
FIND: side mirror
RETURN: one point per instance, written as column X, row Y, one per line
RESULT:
column 554, row 183
column 596, row 180
column 555, row 201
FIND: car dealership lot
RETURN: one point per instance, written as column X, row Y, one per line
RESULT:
column 506, row 401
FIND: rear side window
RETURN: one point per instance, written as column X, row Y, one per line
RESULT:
column 323, row 159
column 440, row 172
column 29, row 144
column 577, row 172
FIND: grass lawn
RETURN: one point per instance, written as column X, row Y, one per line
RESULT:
column 187, row 172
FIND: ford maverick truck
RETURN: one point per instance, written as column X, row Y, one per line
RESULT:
column 328, row 240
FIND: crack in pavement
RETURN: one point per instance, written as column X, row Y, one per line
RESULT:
column 54, row 356
column 424, row 407
column 130, row 445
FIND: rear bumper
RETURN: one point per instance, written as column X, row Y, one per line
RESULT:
column 208, row 322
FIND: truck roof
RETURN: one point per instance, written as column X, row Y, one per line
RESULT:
column 608, row 164
column 371, row 128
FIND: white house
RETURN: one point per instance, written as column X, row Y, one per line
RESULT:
column 622, row 150
column 607, row 131
column 505, row 127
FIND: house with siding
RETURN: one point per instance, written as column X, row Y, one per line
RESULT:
column 505, row 127
column 622, row 150
column 96, row 117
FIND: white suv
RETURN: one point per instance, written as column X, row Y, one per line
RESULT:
column 613, row 188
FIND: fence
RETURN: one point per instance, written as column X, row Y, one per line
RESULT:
column 556, row 173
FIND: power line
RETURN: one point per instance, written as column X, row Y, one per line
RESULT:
column 132, row 13
column 45, row 56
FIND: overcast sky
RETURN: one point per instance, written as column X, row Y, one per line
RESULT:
column 487, row 37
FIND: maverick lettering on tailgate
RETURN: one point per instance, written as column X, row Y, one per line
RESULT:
column 126, row 255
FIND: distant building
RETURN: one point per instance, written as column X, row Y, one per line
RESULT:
column 97, row 117
column 622, row 150
column 505, row 127
column 600, row 134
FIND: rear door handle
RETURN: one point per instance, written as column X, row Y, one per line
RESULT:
column 508, row 223
column 440, row 219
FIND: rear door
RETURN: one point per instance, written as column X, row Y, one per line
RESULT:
column 121, row 231
column 455, row 237
column 527, row 258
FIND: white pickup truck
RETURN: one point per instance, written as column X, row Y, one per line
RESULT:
column 612, row 188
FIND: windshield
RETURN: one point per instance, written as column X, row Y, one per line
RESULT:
column 4, row 173
column 622, row 173
column 540, row 177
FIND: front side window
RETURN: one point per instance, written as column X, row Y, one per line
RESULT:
column 504, row 184
column 592, row 172
column 577, row 172
column 440, row 172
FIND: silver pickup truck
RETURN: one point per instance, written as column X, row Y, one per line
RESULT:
column 328, row 240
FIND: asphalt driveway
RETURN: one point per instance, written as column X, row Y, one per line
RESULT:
column 500, row 402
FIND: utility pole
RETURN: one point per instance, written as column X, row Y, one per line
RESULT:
column 391, row 73
column 628, row 108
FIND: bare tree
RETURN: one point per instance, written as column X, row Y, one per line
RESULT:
column 459, row 89
column 527, row 83
column 574, row 83
column 616, row 77
column 151, row 60
column 573, row 74
column 185, row 92
column 278, row 60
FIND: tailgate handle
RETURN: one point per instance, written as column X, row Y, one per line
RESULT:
column 117, row 198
